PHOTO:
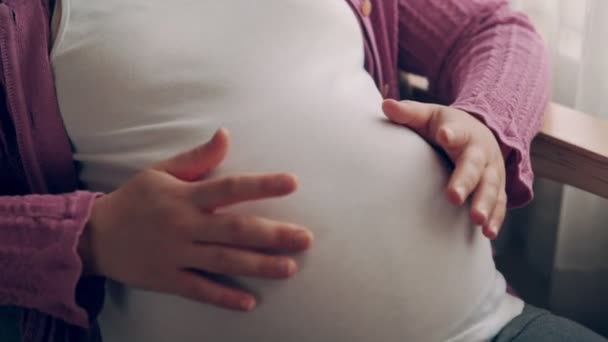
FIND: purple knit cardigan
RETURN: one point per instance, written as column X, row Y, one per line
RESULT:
column 479, row 56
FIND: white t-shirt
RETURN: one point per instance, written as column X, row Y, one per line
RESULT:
column 140, row 80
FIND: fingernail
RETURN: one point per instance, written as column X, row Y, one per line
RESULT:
column 219, row 132
column 483, row 213
column 248, row 304
column 288, row 267
column 448, row 135
column 495, row 230
column 492, row 232
column 459, row 193
column 283, row 184
column 301, row 239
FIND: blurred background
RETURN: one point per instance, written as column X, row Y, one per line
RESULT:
column 557, row 247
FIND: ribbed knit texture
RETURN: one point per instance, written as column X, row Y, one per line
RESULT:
column 485, row 59
column 38, row 258
column 478, row 55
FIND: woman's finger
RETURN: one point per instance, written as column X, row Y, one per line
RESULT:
column 415, row 115
column 492, row 228
column 253, row 232
column 467, row 174
column 486, row 196
column 195, row 163
column 238, row 262
column 453, row 138
column 196, row 287
column 220, row 192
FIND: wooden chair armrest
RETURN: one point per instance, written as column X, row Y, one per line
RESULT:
column 572, row 147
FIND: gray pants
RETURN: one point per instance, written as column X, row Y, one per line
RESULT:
column 536, row 325
column 533, row 325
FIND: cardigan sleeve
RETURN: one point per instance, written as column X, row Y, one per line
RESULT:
column 485, row 59
column 41, row 268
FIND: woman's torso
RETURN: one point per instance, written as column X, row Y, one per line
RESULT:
column 140, row 80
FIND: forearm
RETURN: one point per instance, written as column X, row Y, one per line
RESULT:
column 502, row 77
column 487, row 60
column 41, row 267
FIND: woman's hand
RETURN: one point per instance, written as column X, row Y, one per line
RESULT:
column 160, row 231
column 479, row 164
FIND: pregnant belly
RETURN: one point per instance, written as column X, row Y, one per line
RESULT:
column 393, row 259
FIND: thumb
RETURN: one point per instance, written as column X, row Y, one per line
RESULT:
column 415, row 115
column 193, row 164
